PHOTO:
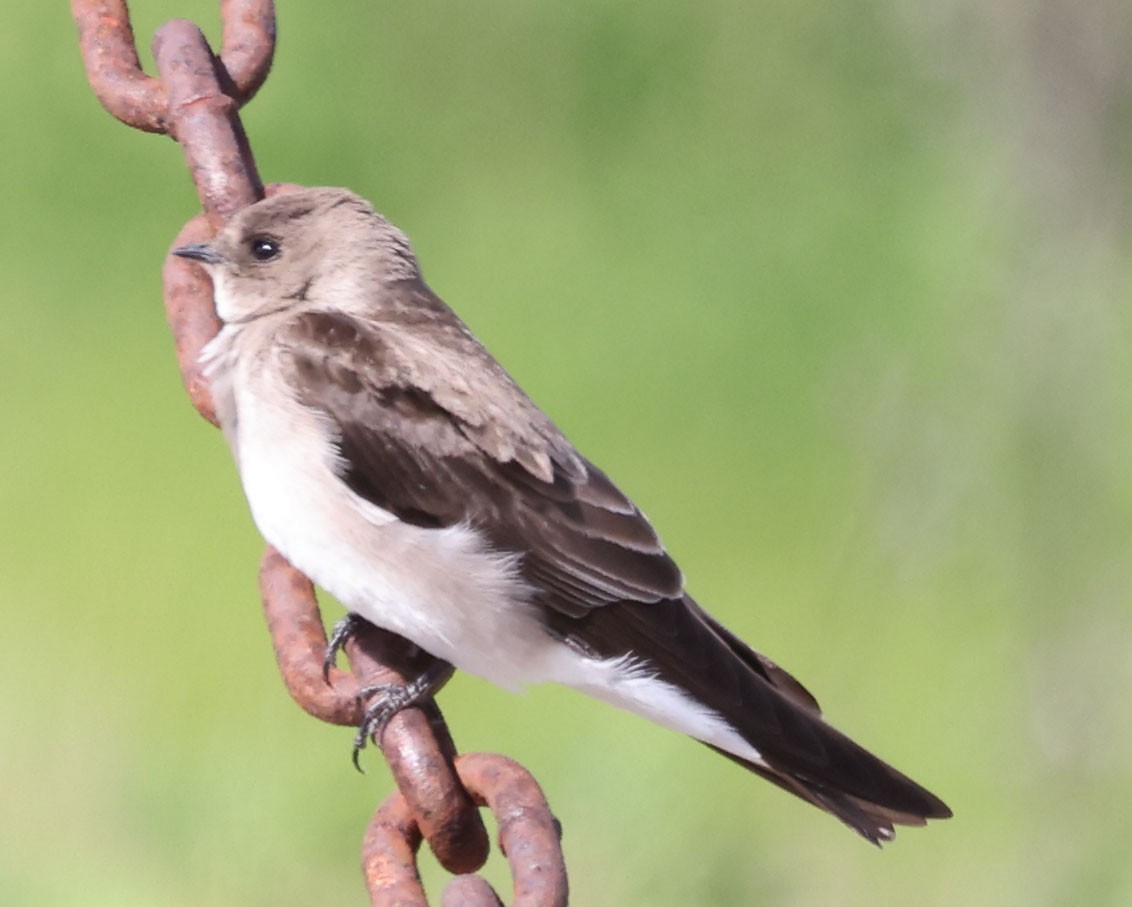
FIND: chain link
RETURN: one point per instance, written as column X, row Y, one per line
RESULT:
column 196, row 100
column 110, row 56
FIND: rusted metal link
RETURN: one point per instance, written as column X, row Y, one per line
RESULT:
column 110, row 55
column 191, row 315
column 416, row 742
column 205, row 121
column 528, row 836
column 420, row 752
column 470, row 891
column 196, row 101
column 299, row 639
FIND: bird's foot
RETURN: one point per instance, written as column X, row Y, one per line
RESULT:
column 392, row 698
column 345, row 628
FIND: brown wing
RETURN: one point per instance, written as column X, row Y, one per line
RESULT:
column 428, row 447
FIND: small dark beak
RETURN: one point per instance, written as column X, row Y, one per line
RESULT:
column 200, row 251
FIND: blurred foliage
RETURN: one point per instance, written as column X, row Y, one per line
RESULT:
column 836, row 291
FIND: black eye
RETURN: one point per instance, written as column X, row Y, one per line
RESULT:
column 264, row 248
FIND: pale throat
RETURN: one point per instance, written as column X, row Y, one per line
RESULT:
column 233, row 308
column 222, row 297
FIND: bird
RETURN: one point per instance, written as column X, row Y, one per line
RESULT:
column 389, row 457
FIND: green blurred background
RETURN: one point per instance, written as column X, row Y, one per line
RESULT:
column 836, row 291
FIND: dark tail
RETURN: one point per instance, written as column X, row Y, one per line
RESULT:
column 766, row 706
column 872, row 821
column 812, row 760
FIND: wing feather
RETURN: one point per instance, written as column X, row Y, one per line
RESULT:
column 416, row 444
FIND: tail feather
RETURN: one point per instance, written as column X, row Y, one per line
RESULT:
column 798, row 751
column 899, row 799
column 781, row 679
column 872, row 821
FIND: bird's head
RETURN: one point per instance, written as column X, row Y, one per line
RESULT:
column 309, row 249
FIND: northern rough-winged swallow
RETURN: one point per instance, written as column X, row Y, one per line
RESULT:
column 389, row 457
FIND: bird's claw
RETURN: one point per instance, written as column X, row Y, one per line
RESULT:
column 343, row 630
column 392, row 698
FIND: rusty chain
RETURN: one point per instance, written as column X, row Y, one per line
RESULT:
column 195, row 100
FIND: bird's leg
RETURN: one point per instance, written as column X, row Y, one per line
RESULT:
column 393, row 698
column 347, row 627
